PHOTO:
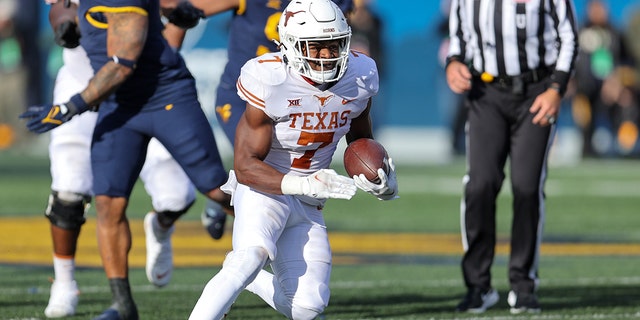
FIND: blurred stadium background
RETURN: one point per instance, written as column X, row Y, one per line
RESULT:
column 413, row 114
column 591, row 250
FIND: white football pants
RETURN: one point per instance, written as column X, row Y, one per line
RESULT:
column 294, row 236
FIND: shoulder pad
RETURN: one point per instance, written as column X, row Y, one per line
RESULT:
column 269, row 68
column 361, row 70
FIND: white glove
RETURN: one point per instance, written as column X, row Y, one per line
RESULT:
column 322, row 184
column 387, row 189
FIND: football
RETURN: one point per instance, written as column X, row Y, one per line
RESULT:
column 365, row 156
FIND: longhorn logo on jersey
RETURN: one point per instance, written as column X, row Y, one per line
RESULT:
column 323, row 100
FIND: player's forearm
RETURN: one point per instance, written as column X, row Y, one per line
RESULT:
column 125, row 40
column 105, row 82
column 361, row 126
column 252, row 146
column 256, row 174
column 174, row 35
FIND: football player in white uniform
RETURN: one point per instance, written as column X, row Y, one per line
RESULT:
column 69, row 151
column 300, row 103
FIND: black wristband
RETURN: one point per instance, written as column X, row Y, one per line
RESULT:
column 561, row 79
column 77, row 104
column 124, row 62
column 557, row 87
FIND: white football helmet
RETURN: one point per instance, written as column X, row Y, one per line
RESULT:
column 305, row 21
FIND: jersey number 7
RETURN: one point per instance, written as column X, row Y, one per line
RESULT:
column 307, row 138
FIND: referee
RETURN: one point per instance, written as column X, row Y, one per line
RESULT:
column 513, row 59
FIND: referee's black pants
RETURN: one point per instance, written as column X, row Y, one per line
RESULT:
column 500, row 128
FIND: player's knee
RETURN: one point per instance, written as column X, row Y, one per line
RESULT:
column 174, row 200
column 303, row 313
column 246, row 263
column 307, row 303
column 168, row 217
column 313, row 303
column 66, row 210
column 251, row 257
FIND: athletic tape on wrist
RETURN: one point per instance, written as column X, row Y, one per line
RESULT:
column 292, row 184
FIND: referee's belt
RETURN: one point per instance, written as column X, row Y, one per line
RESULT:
column 531, row 76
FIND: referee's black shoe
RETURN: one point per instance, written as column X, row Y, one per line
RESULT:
column 523, row 302
column 478, row 300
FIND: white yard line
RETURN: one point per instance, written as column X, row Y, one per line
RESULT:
column 444, row 283
column 421, row 184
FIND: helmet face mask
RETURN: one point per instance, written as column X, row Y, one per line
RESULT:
column 323, row 69
column 309, row 29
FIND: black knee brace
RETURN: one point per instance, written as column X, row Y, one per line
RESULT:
column 167, row 218
column 68, row 213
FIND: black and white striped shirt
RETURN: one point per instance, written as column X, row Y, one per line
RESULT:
column 510, row 37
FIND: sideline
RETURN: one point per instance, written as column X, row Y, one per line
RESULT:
column 28, row 241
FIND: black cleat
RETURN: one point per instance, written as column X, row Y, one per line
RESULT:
column 123, row 307
column 113, row 314
column 109, row 314
column 523, row 302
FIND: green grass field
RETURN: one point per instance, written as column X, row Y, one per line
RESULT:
column 596, row 202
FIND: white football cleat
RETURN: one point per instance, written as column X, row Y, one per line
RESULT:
column 63, row 300
column 159, row 253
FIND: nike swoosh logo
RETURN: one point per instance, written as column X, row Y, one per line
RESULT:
column 162, row 275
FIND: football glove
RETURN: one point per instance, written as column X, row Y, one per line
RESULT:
column 387, row 189
column 322, row 184
column 67, row 35
column 185, row 15
column 43, row 118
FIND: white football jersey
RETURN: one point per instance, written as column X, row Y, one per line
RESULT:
column 309, row 122
column 77, row 63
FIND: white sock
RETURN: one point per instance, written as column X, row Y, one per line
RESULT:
column 63, row 269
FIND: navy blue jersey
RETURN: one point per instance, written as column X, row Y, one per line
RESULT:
column 158, row 100
column 253, row 28
column 160, row 74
